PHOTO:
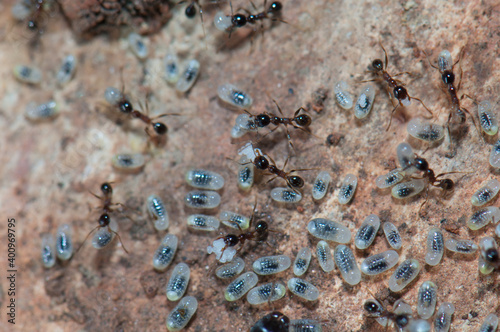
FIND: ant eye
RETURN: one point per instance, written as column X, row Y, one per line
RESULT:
column 275, row 6
column 447, row 184
column 372, row 306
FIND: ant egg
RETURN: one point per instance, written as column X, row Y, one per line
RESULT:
column 285, row 195
column 305, row 325
column 490, row 324
column 164, row 254
column 171, row 65
column 270, row 292
column 483, row 217
column 67, row 70
column 189, row 76
column 203, row 179
column 231, row 269
column 345, row 261
column 28, row 75
column 392, row 235
column 486, row 193
column 45, row 111
column 303, row 289
column 424, row 130
column 495, row 155
column 444, row 61
column 302, row 261
column 342, row 95
column 234, row 220
column 128, row 162
column 178, row 282
column 461, row 246
column 222, row 22
column 442, row 321
column 222, row 253
column 435, row 246
column 324, row 255
column 271, row 264
column 419, row 325
column 404, row 274
column 427, row 298
column 234, row 96
column 182, row 313
column 203, row 222
column 138, row 46
column 487, row 119
column 408, row 189
column 320, row 185
column 484, row 267
column 348, row 188
column 201, row 199
column 48, row 251
column 406, row 158
column 364, row 102
column 367, row 232
column 388, row 180
column 330, row 230
column 104, row 235
column 240, row 286
column 64, row 242
column 246, row 171
column 157, row 211
column 113, row 96
column 379, row 263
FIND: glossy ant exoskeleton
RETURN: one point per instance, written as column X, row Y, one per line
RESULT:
column 401, row 316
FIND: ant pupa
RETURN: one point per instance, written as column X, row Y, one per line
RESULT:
column 329, row 230
column 234, row 220
column 203, row 222
column 461, row 246
column 303, row 289
column 346, row 263
column 164, row 254
column 392, row 235
column 490, row 324
column 231, row 269
column 204, row 179
column 367, row 231
column 138, row 46
column 390, row 179
column 400, row 316
column 245, row 174
column 379, row 263
column 286, row 195
column 320, row 185
column 202, row 199
column 487, row 118
column 324, row 255
column 435, row 246
column 404, row 274
column 240, row 286
column 171, row 72
column 266, row 293
column 67, row 70
column 348, row 188
column 156, row 209
column 41, row 112
column 343, row 96
column 64, row 242
column 483, row 217
column 182, row 313
column 427, row 298
column 128, row 162
column 302, row 261
column 275, row 321
column 486, row 193
column 424, row 130
column 178, row 282
column 234, row 96
column 442, row 321
column 28, row 75
column 48, row 251
column 188, row 76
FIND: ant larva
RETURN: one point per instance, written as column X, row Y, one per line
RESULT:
column 399, row 92
column 182, row 313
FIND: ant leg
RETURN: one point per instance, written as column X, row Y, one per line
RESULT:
column 271, row 179
column 119, row 239
column 429, row 60
column 277, row 106
column 402, row 73
column 426, row 198
column 421, row 102
column 392, row 115
column 473, row 121
column 386, row 58
column 85, row 240
column 366, row 81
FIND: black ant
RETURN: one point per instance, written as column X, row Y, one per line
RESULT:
column 374, row 309
column 274, row 321
column 399, row 91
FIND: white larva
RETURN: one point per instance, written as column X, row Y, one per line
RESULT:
column 240, row 286
column 188, row 76
column 342, row 95
column 202, row 199
column 64, row 242
column 348, row 188
column 424, row 130
column 182, row 313
column 303, row 289
column 364, row 103
column 302, row 261
column 48, row 251
column 178, row 282
column 269, row 292
column 204, row 179
column 487, row 119
column 128, row 162
column 486, row 193
column 67, row 70
column 171, row 72
column 234, row 220
column 367, row 232
column 435, row 246
column 164, row 254
column 138, row 46
column 285, row 195
column 157, row 211
column 28, row 75
column 202, row 222
column 320, row 185
column 234, row 96
column 41, row 112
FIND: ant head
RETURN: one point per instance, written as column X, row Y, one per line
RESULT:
column 106, row 188
column 104, row 220
column 125, row 106
column 303, row 120
column 190, row 11
column 275, row 7
column 231, row 240
column 400, row 93
column 448, row 77
column 447, row 184
column 239, row 20
column 372, row 308
column 378, row 65
column 275, row 321
column 491, row 256
column 261, row 227
column 262, row 120
column 261, row 162
column 160, row 128
column 295, row 181
column 401, row 320
column 421, row 164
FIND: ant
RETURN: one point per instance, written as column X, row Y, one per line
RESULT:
column 274, row 321
column 374, row 309
column 399, row 92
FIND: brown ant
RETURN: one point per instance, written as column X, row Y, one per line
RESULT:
column 399, row 92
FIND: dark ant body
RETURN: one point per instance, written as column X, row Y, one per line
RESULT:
column 375, row 310
column 422, row 165
column 293, row 181
column 240, row 20
column 275, row 321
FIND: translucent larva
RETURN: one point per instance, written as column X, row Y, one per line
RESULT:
column 203, row 222
column 305, row 325
column 240, row 286
column 28, row 75
column 483, row 217
column 435, row 246
column 234, row 96
column 157, row 211
column 392, row 235
column 486, row 193
column 442, row 321
column 461, row 246
column 330, row 230
column 444, row 61
column 171, row 65
column 188, row 76
column 427, row 298
column 164, row 254
column 484, row 267
column 490, row 324
column 285, row 195
column 303, row 289
column 424, row 130
column 364, row 103
column 497, row 230
column 128, row 162
column 270, row 292
column 487, row 119
column 324, row 255
column 222, row 22
column 495, row 155
column 40, row 112
column 237, row 131
column 408, row 189
column 489, row 250
column 67, row 70
column 203, row 179
column 104, row 235
column 231, row 269
column 113, row 95
column 271, row 264
column 419, row 325
column 302, row 261
column 48, row 251
column 234, row 220
column 182, row 313
column 404, row 274
column 347, row 188
column 342, row 95
column 406, row 158
column 367, row 232
column 64, row 242
column 346, row 263
column 222, row 253
column 246, row 123
column 246, row 172
column 178, row 282
column 379, row 263
column 138, row 46
column 202, row 199
column 320, row 185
